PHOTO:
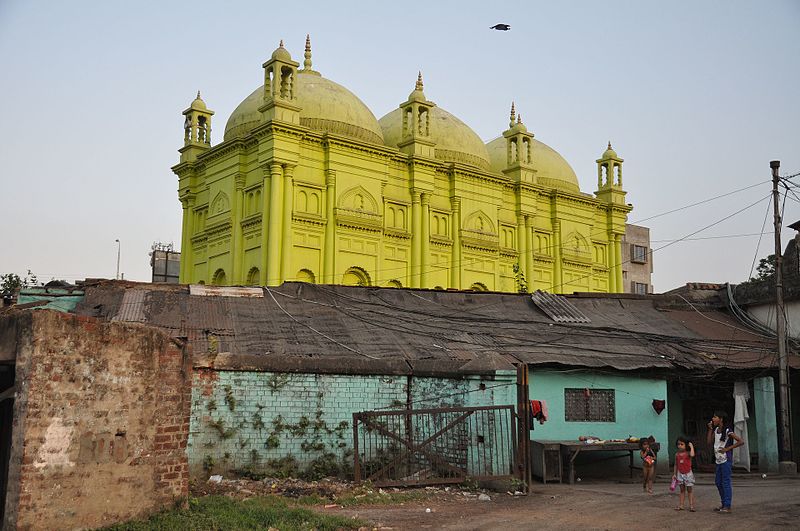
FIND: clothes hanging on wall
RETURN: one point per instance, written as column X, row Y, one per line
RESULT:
column 741, row 394
column 538, row 411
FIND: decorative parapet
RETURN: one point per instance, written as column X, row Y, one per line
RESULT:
column 359, row 219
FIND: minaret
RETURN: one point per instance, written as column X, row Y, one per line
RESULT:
column 519, row 150
column 280, row 88
column 609, row 177
column 416, row 136
column 197, row 130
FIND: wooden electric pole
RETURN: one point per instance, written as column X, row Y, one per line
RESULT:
column 784, row 417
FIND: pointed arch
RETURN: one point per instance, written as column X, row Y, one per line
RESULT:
column 394, row 284
column 480, row 222
column 220, row 204
column 576, row 241
column 478, row 286
column 358, row 198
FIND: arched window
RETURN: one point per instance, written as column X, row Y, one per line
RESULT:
column 254, row 277
column 219, row 278
column 478, row 286
column 306, row 275
column 355, row 276
column 394, row 284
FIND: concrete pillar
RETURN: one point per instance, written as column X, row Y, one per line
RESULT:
column 416, row 238
column 262, row 265
column 286, row 235
column 455, row 260
column 186, row 239
column 618, row 270
column 529, row 252
column 558, row 277
column 237, row 252
column 425, row 240
column 329, row 252
column 766, row 423
column 274, row 226
column 522, row 246
column 612, row 267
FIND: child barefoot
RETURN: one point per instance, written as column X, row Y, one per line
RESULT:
column 683, row 471
column 648, row 464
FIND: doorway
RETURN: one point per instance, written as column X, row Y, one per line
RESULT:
column 6, row 426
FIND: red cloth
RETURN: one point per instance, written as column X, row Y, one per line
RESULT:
column 684, row 462
column 538, row 411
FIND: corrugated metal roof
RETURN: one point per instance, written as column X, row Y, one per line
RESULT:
column 319, row 327
column 558, row 308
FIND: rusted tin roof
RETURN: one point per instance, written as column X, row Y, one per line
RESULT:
column 319, row 328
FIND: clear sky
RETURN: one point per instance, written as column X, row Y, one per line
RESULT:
column 696, row 96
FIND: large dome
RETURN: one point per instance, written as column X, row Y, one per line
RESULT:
column 455, row 141
column 325, row 106
column 552, row 171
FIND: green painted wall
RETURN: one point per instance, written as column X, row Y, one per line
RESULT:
column 634, row 412
column 248, row 420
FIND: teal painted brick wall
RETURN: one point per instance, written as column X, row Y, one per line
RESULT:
column 634, row 412
column 244, row 419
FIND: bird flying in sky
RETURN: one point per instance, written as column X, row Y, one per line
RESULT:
column 501, row 27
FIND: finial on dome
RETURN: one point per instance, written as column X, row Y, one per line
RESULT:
column 609, row 144
column 280, row 45
column 419, row 85
column 307, row 62
column 519, row 118
column 513, row 115
column 198, row 95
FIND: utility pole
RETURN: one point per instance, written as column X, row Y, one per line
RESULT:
column 785, row 465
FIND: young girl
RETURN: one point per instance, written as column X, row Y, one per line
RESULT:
column 683, row 471
column 648, row 456
column 724, row 441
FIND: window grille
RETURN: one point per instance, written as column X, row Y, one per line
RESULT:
column 639, row 254
column 598, row 405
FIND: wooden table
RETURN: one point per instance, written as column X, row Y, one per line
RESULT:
column 570, row 450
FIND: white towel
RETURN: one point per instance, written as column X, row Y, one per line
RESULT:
column 741, row 394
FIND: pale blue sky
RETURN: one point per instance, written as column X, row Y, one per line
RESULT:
column 697, row 97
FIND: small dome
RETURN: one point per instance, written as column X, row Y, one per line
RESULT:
column 455, row 140
column 325, row 107
column 609, row 153
column 281, row 53
column 552, row 170
column 198, row 104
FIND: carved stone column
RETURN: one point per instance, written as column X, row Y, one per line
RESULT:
column 612, row 264
column 274, row 226
column 329, row 251
column 455, row 258
column 237, row 250
column 416, row 238
column 286, row 237
column 529, row 252
column 618, row 270
column 425, row 240
column 187, row 254
column 558, row 276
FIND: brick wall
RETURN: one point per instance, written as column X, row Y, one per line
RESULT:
column 246, row 420
column 101, row 420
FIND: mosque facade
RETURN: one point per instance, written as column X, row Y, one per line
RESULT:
column 307, row 185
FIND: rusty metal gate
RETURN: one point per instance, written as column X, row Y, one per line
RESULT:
column 435, row 446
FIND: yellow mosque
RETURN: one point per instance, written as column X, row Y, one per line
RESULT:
column 307, row 185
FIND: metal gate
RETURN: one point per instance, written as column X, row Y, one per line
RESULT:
column 434, row 446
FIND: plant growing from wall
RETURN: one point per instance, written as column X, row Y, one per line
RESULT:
column 258, row 422
column 211, row 405
column 208, row 464
column 276, row 382
column 229, row 398
column 519, row 278
column 219, row 425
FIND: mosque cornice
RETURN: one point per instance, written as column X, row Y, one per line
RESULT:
column 218, row 229
column 479, row 240
column 331, row 140
column 560, row 196
column 507, row 252
column 199, row 238
column 456, row 169
column 272, row 127
column 543, row 259
column 309, row 219
column 400, row 234
column 441, row 241
column 576, row 264
column 359, row 219
column 251, row 223
column 224, row 149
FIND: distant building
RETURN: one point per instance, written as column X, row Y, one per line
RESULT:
column 165, row 264
column 637, row 260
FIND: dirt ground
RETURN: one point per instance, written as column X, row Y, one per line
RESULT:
column 757, row 504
